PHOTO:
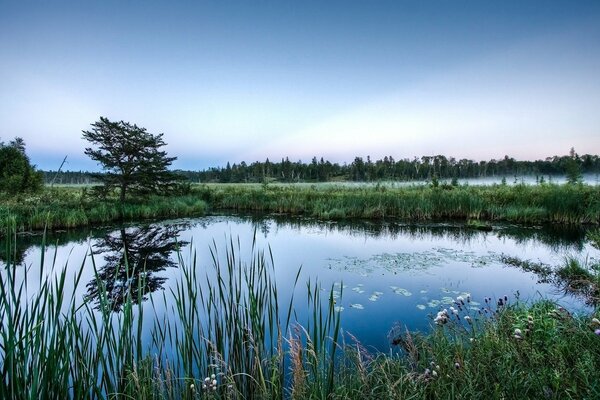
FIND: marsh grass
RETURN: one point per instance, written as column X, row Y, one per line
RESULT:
column 225, row 321
column 547, row 203
column 65, row 208
column 228, row 319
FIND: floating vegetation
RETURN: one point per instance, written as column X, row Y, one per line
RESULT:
column 338, row 308
column 447, row 300
column 412, row 262
column 358, row 289
column 403, row 292
column 357, row 306
column 421, row 306
column 423, row 291
column 375, row 296
column 433, row 303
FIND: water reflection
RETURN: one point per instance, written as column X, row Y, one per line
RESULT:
column 556, row 237
column 133, row 259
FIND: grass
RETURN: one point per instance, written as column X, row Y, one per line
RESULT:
column 547, row 203
column 64, row 208
column 574, row 277
column 228, row 320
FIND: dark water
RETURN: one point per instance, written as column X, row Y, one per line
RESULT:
column 386, row 273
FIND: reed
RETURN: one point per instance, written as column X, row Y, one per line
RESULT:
column 66, row 208
column 545, row 203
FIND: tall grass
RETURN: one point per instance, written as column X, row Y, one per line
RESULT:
column 547, row 203
column 65, row 208
column 226, row 321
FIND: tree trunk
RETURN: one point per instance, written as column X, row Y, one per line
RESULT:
column 122, row 198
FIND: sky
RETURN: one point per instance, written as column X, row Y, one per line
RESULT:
column 243, row 81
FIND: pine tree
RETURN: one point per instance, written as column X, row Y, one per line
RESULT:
column 131, row 158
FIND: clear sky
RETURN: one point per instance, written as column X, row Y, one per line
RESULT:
column 232, row 81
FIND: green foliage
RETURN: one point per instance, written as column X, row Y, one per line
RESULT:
column 131, row 158
column 63, row 208
column 573, row 168
column 17, row 175
column 567, row 204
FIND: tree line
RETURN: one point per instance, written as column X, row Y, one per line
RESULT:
column 424, row 168
column 386, row 169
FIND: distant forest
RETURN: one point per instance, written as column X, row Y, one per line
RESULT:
column 386, row 169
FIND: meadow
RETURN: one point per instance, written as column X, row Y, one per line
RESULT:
column 68, row 207
column 530, row 204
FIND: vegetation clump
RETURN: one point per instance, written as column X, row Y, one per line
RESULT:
column 17, row 175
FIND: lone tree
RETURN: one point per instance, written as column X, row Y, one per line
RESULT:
column 572, row 168
column 131, row 158
column 17, row 175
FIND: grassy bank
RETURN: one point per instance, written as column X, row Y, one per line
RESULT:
column 568, row 204
column 63, row 208
column 223, row 332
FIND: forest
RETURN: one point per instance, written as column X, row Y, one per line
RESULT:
column 366, row 170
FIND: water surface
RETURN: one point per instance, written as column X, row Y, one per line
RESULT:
column 381, row 273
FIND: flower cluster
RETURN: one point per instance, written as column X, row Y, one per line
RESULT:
column 433, row 372
column 210, row 383
column 442, row 317
column 518, row 334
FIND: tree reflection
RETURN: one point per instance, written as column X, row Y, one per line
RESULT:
column 133, row 258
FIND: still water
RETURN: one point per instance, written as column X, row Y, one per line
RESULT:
column 382, row 273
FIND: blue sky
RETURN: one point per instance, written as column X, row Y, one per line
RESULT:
column 232, row 81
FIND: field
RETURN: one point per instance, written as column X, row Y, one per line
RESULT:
column 67, row 207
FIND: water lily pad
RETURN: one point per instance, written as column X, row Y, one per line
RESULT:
column 339, row 309
column 433, row 303
column 421, row 306
column 403, row 292
column 357, row 306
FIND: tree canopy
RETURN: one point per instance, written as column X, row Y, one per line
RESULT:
column 17, row 175
column 131, row 158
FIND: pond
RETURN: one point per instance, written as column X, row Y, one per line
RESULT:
column 381, row 274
